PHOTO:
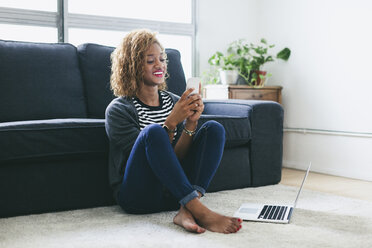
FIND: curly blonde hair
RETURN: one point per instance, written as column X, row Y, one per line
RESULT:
column 128, row 62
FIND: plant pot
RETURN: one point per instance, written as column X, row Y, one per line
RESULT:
column 228, row 77
column 242, row 81
column 260, row 80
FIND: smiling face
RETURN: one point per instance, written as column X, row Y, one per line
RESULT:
column 155, row 66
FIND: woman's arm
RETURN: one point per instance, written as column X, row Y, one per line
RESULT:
column 184, row 143
column 121, row 124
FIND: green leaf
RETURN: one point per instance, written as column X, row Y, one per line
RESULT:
column 219, row 54
column 254, row 75
column 263, row 41
column 284, row 54
column 211, row 60
column 269, row 59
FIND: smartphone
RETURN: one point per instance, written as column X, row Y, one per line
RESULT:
column 193, row 83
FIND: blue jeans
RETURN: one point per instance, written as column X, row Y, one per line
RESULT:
column 155, row 180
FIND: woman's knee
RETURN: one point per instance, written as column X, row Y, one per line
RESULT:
column 215, row 127
column 154, row 130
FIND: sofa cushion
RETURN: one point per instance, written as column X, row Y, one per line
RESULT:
column 176, row 82
column 95, row 65
column 39, row 81
column 50, row 138
column 237, row 129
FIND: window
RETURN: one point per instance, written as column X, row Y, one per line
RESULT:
column 45, row 5
column 77, row 36
column 160, row 10
column 28, row 33
column 182, row 44
column 102, row 22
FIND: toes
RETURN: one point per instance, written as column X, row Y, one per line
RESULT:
column 231, row 229
column 236, row 224
column 192, row 227
column 196, row 228
column 240, row 227
column 237, row 221
column 233, row 226
column 201, row 230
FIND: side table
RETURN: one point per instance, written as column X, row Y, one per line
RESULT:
column 271, row 93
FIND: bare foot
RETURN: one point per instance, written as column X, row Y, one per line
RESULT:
column 185, row 219
column 213, row 221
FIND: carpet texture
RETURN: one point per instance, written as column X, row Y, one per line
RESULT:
column 320, row 220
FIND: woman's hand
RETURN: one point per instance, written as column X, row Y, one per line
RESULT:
column 197, row 108
column 192, row 121
column 188, row 107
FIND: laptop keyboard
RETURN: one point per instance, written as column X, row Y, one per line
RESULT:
column 270, row 212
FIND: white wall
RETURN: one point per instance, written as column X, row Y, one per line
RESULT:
column 220, row 22
column 326, row 82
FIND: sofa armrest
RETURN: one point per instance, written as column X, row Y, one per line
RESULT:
column 231, row 107
column 266, row 145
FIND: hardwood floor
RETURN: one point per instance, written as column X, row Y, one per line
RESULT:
column 330, row 184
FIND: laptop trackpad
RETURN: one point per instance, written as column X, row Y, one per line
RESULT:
column 246, row 210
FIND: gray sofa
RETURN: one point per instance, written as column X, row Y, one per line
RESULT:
column 53, row 145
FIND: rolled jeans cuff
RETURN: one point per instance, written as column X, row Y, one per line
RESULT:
column 200, row 189
column 188, row 198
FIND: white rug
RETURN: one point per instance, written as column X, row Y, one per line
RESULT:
column 321, row 220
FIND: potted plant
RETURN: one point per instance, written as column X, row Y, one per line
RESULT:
column 226, row 64
column 248, row 59
column 258, row 56
column 239, row 50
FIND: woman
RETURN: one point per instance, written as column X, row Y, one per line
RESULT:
column 158, row 160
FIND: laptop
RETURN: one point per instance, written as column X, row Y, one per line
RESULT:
column 272, row 213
